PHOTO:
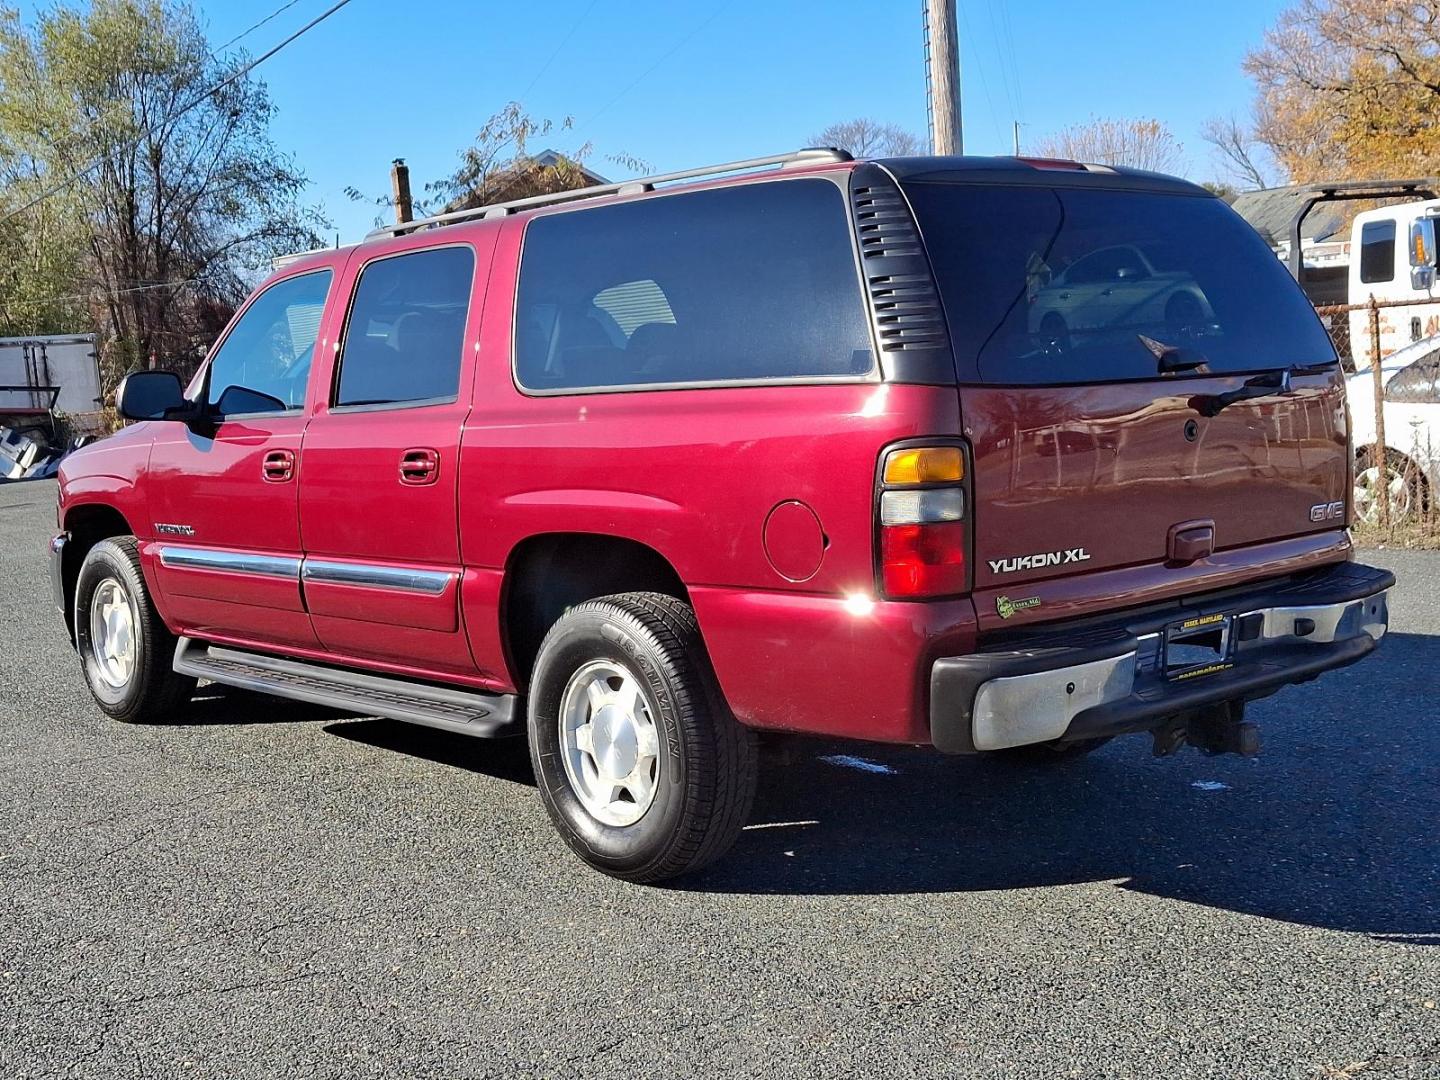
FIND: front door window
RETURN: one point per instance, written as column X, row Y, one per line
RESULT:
column 263, row 364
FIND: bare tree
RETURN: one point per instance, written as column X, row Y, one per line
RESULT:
column 870, row 138
column 1140, row 144
column 1238, row 151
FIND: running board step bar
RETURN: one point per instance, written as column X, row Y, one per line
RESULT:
column 469, row 712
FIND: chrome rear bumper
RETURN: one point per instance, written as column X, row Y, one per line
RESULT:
column 1097, row 681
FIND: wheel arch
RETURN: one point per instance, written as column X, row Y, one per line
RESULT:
column 548, row 573
column 87, row 524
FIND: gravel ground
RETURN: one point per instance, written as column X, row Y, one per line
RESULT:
column 277, row 890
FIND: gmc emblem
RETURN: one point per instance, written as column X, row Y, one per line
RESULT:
column 1327, row 511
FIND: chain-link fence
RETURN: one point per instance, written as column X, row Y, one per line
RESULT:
column 1395, row 414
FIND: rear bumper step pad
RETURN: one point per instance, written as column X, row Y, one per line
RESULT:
column 468, row 712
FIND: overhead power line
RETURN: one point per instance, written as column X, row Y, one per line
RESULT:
column 714, row 14
column 42, row 301
column 192, row 103
column 255, row 26
column 563, row 42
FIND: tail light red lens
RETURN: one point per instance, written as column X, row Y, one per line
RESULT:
column 923, row 560
column 922, row 528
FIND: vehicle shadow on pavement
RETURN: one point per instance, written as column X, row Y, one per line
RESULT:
column 1332, row 826
column 229, row 705
column 503, row 759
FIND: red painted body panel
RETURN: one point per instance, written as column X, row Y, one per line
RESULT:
column 1075, row 595
column 1109, row 468
column 789, row 661
column 354, row 506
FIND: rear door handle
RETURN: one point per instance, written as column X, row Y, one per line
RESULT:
column 279, row 466
column 420, row 465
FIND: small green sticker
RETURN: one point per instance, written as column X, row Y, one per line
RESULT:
column 1005, row 607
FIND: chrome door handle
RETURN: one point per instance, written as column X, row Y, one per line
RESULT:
column 419, row 466
column 278, row 466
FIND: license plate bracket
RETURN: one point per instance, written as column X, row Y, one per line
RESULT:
column 1197, row 646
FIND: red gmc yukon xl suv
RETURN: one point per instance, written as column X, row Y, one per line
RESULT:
column 995, row 455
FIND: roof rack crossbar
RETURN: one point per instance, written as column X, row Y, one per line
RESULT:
column 796, row 158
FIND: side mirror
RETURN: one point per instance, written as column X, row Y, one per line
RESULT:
column 151, row 395
column 1422, row 254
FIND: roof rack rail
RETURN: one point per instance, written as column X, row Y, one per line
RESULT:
column 813, row 155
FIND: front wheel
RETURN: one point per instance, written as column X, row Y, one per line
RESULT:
column 642, row 768
column 125, row 650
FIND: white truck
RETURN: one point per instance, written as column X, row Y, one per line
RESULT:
column 1387, row 254
column 41, row 376
column 1390, row 256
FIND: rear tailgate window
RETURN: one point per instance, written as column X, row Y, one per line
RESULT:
column 1066, row 285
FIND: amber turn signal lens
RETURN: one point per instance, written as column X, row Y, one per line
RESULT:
column 925, row 465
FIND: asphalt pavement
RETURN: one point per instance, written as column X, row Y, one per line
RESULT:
column 277, row 890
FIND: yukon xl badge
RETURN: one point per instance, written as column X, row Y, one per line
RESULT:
column 164, row 528
column 1038, row 560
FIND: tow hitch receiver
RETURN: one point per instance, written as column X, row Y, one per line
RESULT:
column 1215, row 729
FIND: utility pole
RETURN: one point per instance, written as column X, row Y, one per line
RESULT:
column 400, row 191
column 942, row 77
column 1017, row 138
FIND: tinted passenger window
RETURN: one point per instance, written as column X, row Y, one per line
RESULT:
column 1075, row 285
column 1377, row 251
column 406, row 329
column 735, row 284
column 263, row 364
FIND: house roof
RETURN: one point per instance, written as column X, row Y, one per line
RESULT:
column 498, row 187
column 1271, row 211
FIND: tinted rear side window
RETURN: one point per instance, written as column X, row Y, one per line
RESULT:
column 744, row 283
column 1377, row 251
column 1070, row 285
column 406, row 328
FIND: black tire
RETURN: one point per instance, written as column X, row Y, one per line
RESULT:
column 706, row 764
column 153, row 691
column 1051, row 753
column 1055, row 333
column 1183, row 314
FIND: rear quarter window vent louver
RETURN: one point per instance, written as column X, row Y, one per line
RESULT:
column 900, row 288
column 883, row 222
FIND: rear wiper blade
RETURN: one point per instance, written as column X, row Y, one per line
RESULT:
column 1173, row 357
column 1270, row 384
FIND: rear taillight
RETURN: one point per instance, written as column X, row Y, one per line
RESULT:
column 922, row 524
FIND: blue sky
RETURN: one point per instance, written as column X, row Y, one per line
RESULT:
column 679, row 84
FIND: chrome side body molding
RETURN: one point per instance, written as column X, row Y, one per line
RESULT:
column 429, row 582
column 234, row 562
column 320, row 571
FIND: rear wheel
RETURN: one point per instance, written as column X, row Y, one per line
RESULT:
column 125, row 650
column 640, row 765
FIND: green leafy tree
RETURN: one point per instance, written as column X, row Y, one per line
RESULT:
column 174, row 197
